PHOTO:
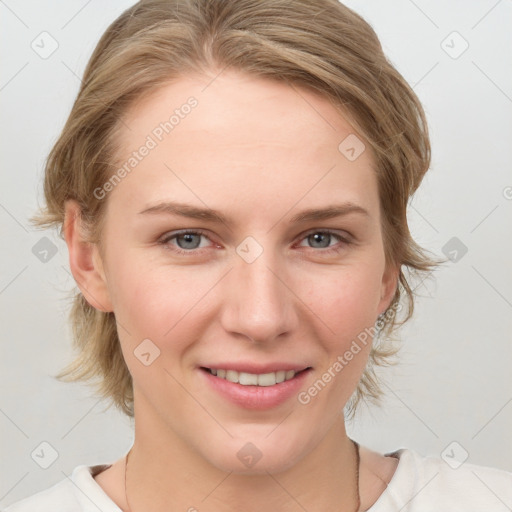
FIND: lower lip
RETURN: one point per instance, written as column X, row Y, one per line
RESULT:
column 256, row 397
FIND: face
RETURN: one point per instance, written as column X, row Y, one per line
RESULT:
column 242, row 239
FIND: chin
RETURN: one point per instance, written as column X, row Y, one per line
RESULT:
column 257, row 454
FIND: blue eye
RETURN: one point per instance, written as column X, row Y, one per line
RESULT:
column 321, row 239
column 188, row 242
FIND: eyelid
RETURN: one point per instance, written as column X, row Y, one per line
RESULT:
column 192, row 231
column 344, row 235
column 344, row 238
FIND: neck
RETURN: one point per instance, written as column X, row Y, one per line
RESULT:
column 164, row 473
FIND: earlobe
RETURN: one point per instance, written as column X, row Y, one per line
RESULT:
column 85, row 261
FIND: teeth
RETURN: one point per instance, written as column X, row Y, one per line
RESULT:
column 252, row 379
column 232, row 376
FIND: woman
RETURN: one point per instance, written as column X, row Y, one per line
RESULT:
column 232, row 185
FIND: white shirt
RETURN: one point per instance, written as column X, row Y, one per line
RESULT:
column 419, row 484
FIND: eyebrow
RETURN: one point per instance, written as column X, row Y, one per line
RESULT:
column 207, row 214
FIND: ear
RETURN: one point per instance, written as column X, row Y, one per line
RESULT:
column 85, row 261
column 388, row 287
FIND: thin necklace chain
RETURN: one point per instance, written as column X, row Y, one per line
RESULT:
column 358, row 460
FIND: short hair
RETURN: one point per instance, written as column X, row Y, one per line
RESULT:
column 320, row 45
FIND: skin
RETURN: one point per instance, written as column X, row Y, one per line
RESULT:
column 259, row 152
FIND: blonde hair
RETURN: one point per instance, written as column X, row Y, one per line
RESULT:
column 317, row 44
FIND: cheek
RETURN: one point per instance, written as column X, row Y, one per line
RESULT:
column 154, row 301
column 161, row 303
column 157, row 307
column 347, row 305
column 345, row 300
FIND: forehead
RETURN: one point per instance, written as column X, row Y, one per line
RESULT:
column 241, row 135
column 252, row 109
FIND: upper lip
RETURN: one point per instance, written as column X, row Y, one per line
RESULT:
column 251, row 367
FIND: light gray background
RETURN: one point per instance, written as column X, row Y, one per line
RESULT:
column 454, row 382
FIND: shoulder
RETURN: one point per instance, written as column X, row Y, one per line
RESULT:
column 77, row 493
column 424, row 483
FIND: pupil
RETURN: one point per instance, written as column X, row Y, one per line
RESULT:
column 319, row 237
column 188, row 240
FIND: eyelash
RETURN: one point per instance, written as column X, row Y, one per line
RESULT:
column 165, row 241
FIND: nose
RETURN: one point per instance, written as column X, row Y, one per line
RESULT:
column 259, row 304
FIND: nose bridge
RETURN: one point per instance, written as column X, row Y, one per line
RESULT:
column 260, row 305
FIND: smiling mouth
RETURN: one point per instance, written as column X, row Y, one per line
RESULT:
column 254, row 379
